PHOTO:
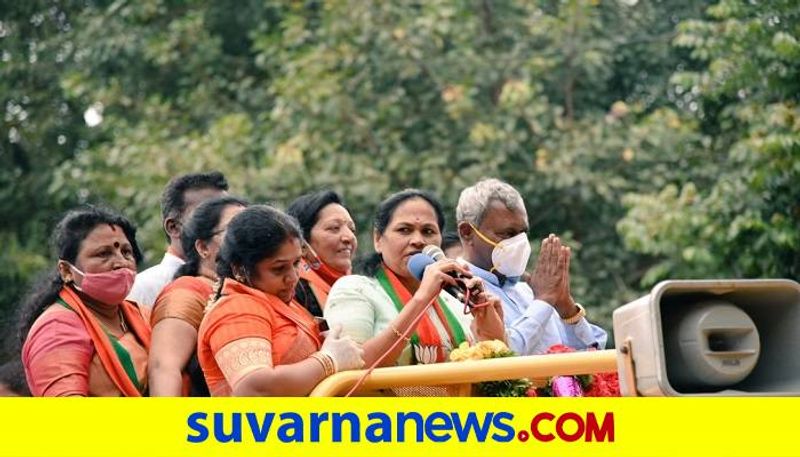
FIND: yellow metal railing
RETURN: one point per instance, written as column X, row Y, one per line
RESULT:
column 469, row 372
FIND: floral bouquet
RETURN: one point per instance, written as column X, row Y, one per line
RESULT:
column 594, row 385
column 491, row 350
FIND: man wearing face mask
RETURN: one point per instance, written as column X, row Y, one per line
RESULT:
column 493, row 226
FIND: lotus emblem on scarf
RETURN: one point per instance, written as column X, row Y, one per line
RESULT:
column 426, row 354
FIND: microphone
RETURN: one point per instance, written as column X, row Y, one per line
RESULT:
column 417, row 264
column 435, row 252
column 430, row 254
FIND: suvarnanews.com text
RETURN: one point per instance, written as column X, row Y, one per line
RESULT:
column 400, row 427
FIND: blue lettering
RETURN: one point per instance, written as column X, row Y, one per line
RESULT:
column 316, row 424
column 355, row 427
column 471, row 423
column 431, row 427
column 193, row 421
column 260, row 431
column 437, row 427
column 236, row 428
column 295, row 425
column 383, row 424
column 402, row 418
column 497, row 421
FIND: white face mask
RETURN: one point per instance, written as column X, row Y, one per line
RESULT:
column 510, row 256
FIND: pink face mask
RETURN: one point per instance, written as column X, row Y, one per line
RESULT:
column 110, row 287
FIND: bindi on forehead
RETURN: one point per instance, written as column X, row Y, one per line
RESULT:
column 108, row 234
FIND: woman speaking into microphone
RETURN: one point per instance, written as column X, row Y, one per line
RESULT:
column 386, row 302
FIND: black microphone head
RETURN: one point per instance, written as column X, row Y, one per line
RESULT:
column 435, row 252
column 417, row 264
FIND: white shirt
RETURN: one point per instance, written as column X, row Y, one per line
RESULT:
column 532, row 325
column 148, row 284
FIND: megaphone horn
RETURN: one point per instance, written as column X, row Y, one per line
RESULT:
column 711, row 337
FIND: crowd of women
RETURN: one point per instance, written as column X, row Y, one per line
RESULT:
column 261, row 302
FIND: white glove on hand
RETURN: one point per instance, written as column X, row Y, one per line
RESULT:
column 345, row 353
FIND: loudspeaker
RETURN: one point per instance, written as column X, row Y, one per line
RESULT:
column 711, row 338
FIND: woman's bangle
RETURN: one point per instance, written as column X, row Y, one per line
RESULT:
column 326, row 361
column 399, row 335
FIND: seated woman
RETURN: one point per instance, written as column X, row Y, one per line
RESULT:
column 81, row 337
column 379, row 308
column 173, row 369
column 332, row 244
column 255, row 340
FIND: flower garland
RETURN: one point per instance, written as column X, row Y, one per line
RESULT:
column 594, row 385
column 491, row 350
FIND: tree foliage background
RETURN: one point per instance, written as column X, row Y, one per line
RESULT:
column 661, row 138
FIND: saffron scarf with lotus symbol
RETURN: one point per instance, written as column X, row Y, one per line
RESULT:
column 437, row 333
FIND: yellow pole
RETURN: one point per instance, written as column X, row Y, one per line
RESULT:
column 532, row 366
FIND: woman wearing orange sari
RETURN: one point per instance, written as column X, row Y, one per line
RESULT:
column 81, row 337
column 255, row 340
column 332, row 244
column 178, row 310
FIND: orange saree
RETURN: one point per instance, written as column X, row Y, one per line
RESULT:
column 243, row 314
column 185, row 298
column 315, row 285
